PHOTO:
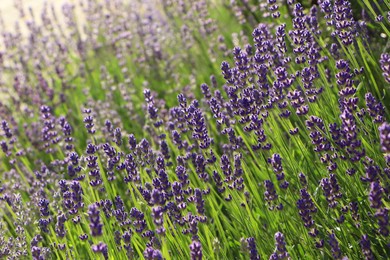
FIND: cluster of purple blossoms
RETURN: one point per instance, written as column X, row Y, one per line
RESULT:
column 251, row 246
column 353, row 207
column 375, row 197
column 297, row 101
column 151, row 108
column 158, row 219
column 113, row 160
column 282, row 83
column 349, row 140
column 300, row 35
column 88, row 121
column 60, row 225
column 280, row 251
column 322, row 145
column 101, row 248
column 72, row 198
column 153, row 254
column 74, row 167
column 276, row 162
column 375, row 109
column 271, row 196
column 233, row 178
column 196, row 250
column 9, row 136
column 331, row 190
column 126, row 238
column 382, row 213
column 95, row 224
column 306, row 209
column 384, row 137
column 281, row 42
column 335, row 247
column 385, row 66
column 49, row 133
column 171, row 171
column 45, row 219
column 38, row 253
column 326, row 8
column 130, row 165
column 93, row 166
column 120, row 214
column 273, row 8
column 343, row 21
column 374, row 176
column 197, row 123
column 67, row 131
column 365, row 245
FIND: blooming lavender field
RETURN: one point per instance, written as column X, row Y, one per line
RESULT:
column 194, row 129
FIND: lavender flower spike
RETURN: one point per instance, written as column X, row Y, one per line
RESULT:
column 280, row 251
column 94, row 220
column 384, row 135
column 385, row 66
column 366, row 248
column 196, row 250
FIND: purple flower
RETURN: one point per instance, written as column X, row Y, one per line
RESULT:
column 334, row 247
column 139, row 219
column 44, row 207
column 94, row 220
column 372, row 173
column 343, row 21
column 44, row 224
column 118, row 136
column 152, row 254
column 353, row 207
column 306, row 208
column 48, row 132
column 182, row 175
column 60, row 225
column 196, row 250
column 384, row 136
column 157, row 197
column 226, row 71
column 132, row 142
column 302, row 179
column 101, row 248
column 205, row 91
column 67, row 130
column 251, row 245
column 365, row 245
column 199, row 201
column 281, row 35
column 375, row 197
column 385, row 66
column 88, row 121
column 276, row 162
column 382, row 215
column 158, row 218
column 375, row 108
column 36, row 253
column 198, row 124
column 45, row 219
column 344, row 76
column 280, row 251
column 83, row 237
column 270, row 193
column 200, row 164
column 331, row 190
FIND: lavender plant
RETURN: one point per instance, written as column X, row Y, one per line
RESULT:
column 132, row 132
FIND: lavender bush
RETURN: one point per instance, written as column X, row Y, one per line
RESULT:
column 196, row 130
